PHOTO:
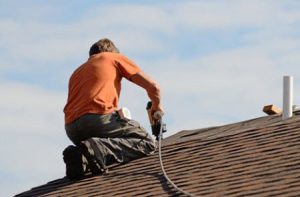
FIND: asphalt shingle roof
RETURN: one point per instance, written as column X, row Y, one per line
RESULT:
column 259, row 157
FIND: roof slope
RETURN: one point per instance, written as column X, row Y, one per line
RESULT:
column 259, row 157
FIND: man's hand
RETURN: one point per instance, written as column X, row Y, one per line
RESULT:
column 157, row 113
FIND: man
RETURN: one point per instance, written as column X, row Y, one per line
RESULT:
column 91, row 117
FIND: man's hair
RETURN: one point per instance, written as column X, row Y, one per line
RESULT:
column 103, row 45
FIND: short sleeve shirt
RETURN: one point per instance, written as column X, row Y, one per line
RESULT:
column 95, row 86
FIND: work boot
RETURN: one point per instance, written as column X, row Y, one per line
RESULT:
column 74, row 160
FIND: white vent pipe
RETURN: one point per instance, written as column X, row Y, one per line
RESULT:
column 287, row 97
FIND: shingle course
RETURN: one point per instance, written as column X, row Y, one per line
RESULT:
column 259, row 157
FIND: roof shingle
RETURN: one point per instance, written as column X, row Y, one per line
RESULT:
column 259, row 157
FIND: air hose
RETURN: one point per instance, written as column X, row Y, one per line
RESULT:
column 158, row 128
column 163, row 169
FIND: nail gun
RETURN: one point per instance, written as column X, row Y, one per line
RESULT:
column 156, row 124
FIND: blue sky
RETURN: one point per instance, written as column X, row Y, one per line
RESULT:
column 217, row 62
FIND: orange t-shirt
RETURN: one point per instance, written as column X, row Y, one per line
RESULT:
column 95, row 86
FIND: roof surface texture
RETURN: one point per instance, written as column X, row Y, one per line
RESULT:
column 259, row 157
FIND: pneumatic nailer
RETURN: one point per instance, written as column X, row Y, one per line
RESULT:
column 156, row 124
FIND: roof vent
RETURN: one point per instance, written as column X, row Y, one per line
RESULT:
column 287, row 111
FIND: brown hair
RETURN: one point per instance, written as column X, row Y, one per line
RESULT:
column 103, row 45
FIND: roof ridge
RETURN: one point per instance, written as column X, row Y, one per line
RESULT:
column 224, row 132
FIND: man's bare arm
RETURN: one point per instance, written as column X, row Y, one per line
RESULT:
column 152, row 88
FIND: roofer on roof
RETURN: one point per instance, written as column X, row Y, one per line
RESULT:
column 91, row 109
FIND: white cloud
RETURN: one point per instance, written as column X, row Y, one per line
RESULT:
column 224, row 14
column 134, row 17
column 227, row 86
column 234, row 14
column 137, row 27
column 32, row 133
